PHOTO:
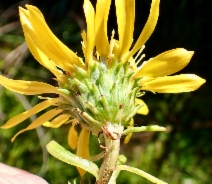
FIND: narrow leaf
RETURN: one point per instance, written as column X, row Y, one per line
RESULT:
column 150, row 128
column 62, row 154
column 141, row 173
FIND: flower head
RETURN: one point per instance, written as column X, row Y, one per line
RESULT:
column 99, row 90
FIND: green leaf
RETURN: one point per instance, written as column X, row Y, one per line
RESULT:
column 150, row 128
column 62, row 154
column 141, row 173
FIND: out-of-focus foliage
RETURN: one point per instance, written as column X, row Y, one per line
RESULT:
column 182, row 155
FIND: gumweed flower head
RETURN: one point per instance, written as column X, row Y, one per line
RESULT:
column 98, row 91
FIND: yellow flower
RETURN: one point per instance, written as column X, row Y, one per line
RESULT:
column 101, row 89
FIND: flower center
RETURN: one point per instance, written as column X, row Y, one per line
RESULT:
column 100, row 95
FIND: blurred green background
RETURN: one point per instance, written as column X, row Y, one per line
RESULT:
column 182, row 155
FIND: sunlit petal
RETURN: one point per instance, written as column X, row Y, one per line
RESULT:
column 101, row 40
column 23, row 116
column 38, row 54
column 116, row 48
column 166, row 63
column 72, row 137
column 148, row 28
column 34, row 24
column 27, row 87
column 83, row 147
column 174, row 84
column 128, row 137
column 84, row 42
column 39, row 121
column 143, row 109
column 89, row 15
column 121, row 20
column 130, row 18
column 58, row 121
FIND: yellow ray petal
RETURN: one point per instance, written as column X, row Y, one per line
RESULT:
column 72, row 137
column 167, row 63
column 44, row 60
column 58, row 121
column 84, row 42
column 23, row 116
column 143, row 109
column 128, row 137
column 39, row 121
column 116, row 49
column 83, row 147
column 101, row 40
column 27, row 87
column 130, row 18
column 89, row 14
column 33, row 22
column 40, row 56
column 174, row 84
column 121, row 20
column 148, row 28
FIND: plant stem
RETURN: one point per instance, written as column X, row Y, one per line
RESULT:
column 112, row 147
